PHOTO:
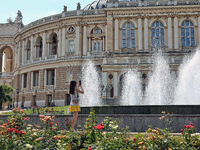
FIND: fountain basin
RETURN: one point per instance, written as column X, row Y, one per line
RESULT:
column 143, row 109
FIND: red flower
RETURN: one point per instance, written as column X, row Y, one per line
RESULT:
column 181, row 130
column 95, row 127
column 24, row 132
column 134, row 140
column 90, row 148
column 191, row 124
column 10, row 137
column 187, row 126
column 55, row 138
column 16, row 131
column 184, row 126
column 21, row 131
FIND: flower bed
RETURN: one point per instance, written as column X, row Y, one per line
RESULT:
column 16, row 134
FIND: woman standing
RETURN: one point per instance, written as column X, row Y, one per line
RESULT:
column 74, row 104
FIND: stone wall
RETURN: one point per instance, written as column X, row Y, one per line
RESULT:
column 136, row 123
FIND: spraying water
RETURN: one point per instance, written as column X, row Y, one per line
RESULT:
column 188, row 89
column 131, row 93
column 91, row 85
column 159, row 90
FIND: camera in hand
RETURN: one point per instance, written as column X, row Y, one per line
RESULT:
column 80, row 82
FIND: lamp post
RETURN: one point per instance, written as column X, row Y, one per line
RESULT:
column 35, row 98
column 17, row 90
column 22, row 106
column 13, row 101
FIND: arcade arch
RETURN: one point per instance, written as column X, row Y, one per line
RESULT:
column 6, row 58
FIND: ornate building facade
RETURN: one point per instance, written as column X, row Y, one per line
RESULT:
column 45, row 55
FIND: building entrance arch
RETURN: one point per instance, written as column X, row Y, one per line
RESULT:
column 6, row 59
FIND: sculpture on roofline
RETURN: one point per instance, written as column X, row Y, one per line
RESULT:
column 65, row 8
column 78, row 6
column 9, row 20
column 19, row 17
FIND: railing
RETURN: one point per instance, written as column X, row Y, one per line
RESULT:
column 6, row 74
column 37, row 59
column 51, row 57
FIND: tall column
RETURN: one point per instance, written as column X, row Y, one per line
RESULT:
column 48, row 49
column 103, row 43
column 176, row 40
column 39, row 79
column 146, row 34
column 115, row 85
column 19, row 53
column 44, row 48
column 22, row 82
column 59, row 43
column 67, row 45
column 32, row 49
column 116, row 34
column 110, row 37
column 77, row 41
column 55, row 78
column 170, row 46
column 84, row 40
column 31, row 80
column 104, row 80
column 35, row 53
column 45, row 78
column 89, row 44
column 198, row 28
column 106, row 38
column 139, row 33
column 23, row 52
column 63, row 42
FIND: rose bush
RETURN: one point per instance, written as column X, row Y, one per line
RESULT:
column 17, row 134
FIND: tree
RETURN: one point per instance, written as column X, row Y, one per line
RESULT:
column 5, row 92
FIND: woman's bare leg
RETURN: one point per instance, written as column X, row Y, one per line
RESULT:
column 75, row 116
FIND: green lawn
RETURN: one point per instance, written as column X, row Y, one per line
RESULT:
column 30, row 111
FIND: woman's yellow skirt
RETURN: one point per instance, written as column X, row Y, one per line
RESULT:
column 75, row 108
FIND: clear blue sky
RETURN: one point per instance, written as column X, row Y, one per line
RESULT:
column 36, row 9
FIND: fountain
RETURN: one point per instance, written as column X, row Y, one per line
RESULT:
column 91, row 85
column 159, row 90
column 132, row 90
column 188, row 89
column 139, row 109
column 159, row 94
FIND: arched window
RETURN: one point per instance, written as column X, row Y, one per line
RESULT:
column 187, row 33
column 128, row 35
column 53, row 44
column 157, row 34
column 28, row 50
column 39, row 47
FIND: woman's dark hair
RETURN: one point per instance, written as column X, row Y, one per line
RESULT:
column 72, row 87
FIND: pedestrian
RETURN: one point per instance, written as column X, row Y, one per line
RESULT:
column 74, row 91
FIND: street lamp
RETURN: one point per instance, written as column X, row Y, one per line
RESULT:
column 35, row 98
column 17, row 90
column 22, row 106
column 13, row 100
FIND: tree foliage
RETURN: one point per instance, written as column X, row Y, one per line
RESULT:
column 5, row 92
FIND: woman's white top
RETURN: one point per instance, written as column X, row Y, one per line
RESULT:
column 74, row 96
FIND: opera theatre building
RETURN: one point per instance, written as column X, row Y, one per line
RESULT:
column 41, row 58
